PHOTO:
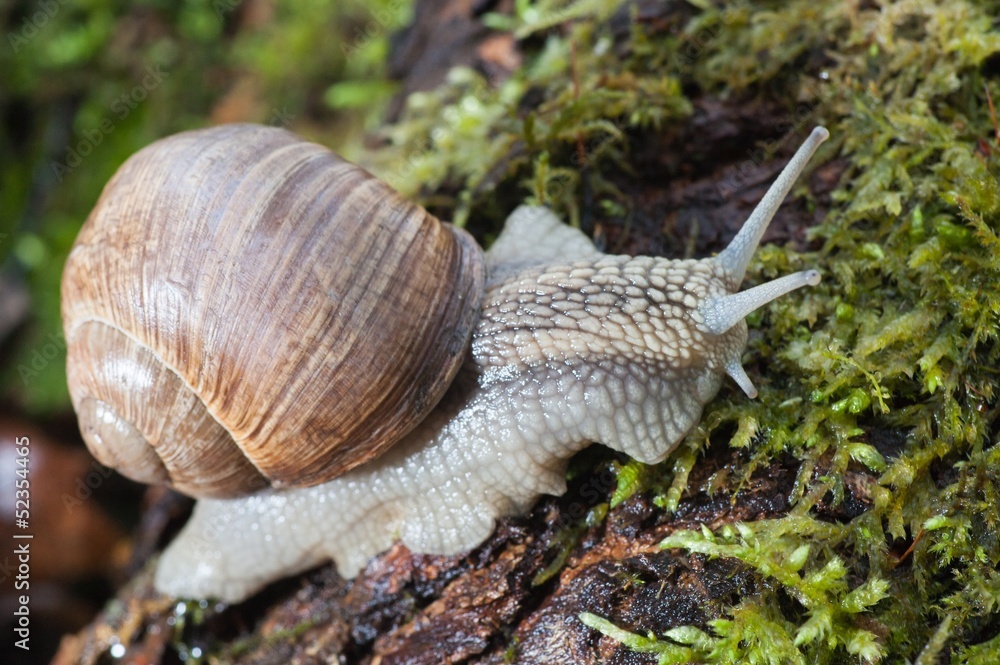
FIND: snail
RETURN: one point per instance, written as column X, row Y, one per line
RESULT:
column 328, row 368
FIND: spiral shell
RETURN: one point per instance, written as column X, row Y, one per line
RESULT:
column 312, row 318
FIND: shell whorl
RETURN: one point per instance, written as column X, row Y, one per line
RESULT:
column 314, row 313
column 121, row 395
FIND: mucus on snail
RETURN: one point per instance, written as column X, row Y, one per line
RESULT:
column 329, row 368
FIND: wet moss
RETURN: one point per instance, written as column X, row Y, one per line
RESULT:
column 899, row 341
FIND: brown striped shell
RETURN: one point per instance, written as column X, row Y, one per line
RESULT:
column 243, row 308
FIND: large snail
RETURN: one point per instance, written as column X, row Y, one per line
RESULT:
column 258, row 323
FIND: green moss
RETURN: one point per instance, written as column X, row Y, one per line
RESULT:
column 477, row 135
column 900, row 337
column 811, row 574
column 278, row 638
column 631, row 479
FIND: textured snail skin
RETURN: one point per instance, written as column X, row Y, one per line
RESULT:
column 572, row 346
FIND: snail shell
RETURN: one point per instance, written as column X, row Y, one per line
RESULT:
column 243, row 308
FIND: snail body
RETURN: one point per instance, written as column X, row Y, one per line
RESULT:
column 568, row 346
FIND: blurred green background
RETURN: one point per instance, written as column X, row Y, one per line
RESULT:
column 85, row 84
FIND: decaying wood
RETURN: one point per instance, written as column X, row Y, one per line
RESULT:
column 487, row 606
